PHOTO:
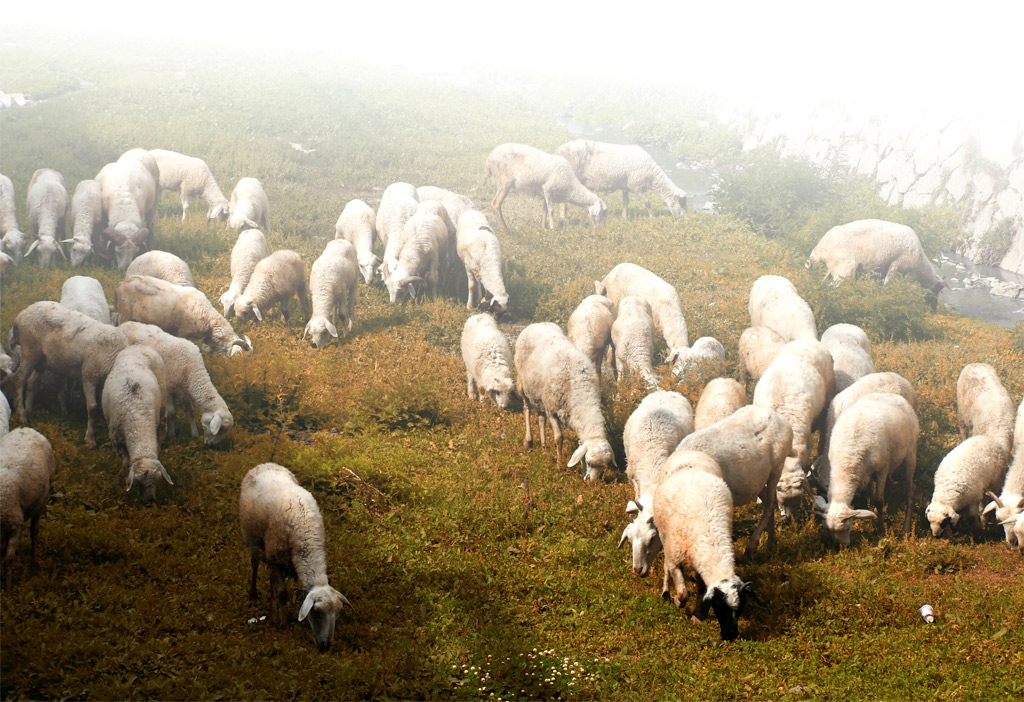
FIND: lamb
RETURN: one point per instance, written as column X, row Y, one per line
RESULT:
column 478, row 248
column 250, row 208
column 590, row 328
column 14, row 240
column 397, row 205
column 1010, row 503
column 178, row 310
column 651, row 434
column 776, row 304
column 68, row 343
column 454, row 203
column 162, row 265
column 86, row 216
column 631, row 279
column 357, row 225
column 250, row 248
column 633, row 339
column 970, row 470
column 282, row 526
column 876, row 247
column 720, row 399
column 983, row 405
column 333, row 281
column 418, row 256
column 47, row 203
column 705, row 350
column 605, row 167
column 557, row 379
column 693, row 508
column 27, row 468
column 86, row 295
column 192, row 178
column 134, row 403
column 275, row 279
column 187, row 382
column 531, row 170
column 877, row 434
column 488, row 360
column 128, row 193
column 851, row 353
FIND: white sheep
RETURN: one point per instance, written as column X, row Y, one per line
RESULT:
column 282, row 526
column 558, row 380
column 445, row 239
column 606, row 167
column 250, row 208
column 86, row 217
column 162, row 265
column 705, row 350
column 720, row 398
column 397, row 205
column 26, row 471
column 47, row 202
column 68, row 343
column 275, row 280
column 973, row 468
column 13, row 245
column 693, row 514
column 14, row 240
column 876, row 247
column 851, row 353
column 148, row 161
column 533, row 171
column 5, row 418
column 417, row 257
column 187, row 382
column 333, row 282
column 86, row 295
column 134, row 404
column 1010, row 503
column 488, row 359
column 870, row 440
column 480, row 253
column 192, row 178
column 250, row 248
column 776, row 304
column 633, row 339
column 178, row 310
column 357, row 225
column 454, row 203
column 983, row 405
column 590, row 328
column 128, row 193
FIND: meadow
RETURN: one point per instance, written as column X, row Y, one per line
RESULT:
column 476, row 569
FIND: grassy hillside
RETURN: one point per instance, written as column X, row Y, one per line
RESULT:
column 477, row 569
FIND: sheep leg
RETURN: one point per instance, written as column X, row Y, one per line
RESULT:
column 92, row 410
column 880, row 502
column 528, row 437
column 540, row 427
column 564, row 209
column 647, row 203
column 625, row 204
column 473, row 298
column 285, row 304
column 307, row 304
column 33, row 530
column 499, row 197
column 767, row 521
column 30, row 394
column 673, row 586
column 556, row 432
column 184, row 204
column 253, row 596
column 909, row 464
column 549, row 212
column 278, row 598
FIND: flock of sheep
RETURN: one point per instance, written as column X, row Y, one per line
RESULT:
column 689, row 467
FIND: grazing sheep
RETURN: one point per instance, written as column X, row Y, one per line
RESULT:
column 192, row 178
column 488, row 360
column 877, row 434
column 26, row 471
column 47, row 203
column 13, row 246
column 178, row 310
column 68, row 343
column 693, row 514
column 590, row 328
column 533, row 171
column 851, row 353
column 333, row 282
column 776, row 304
column 970, row 470
column 357, row 225
column 606, row 167
column 1010, row 504
column 162, row 265
column 397, row 205
column 86, row 295
column 250, row 208
column 720, row 398
column 148, row 162
column 128, row 193
column 631, row 279
column 876, row 247
column 187, row 382
column 983, row 405
column 86, row 216
column 633, row 339
column 275, row 279
column 557, row 379
column 418, row 256
column 134, row 404
column 282, row 526
column 250, row 248
column 454, row 203
column 705, row 350
column 8, row 208
column 480, row 252
column 444, row 239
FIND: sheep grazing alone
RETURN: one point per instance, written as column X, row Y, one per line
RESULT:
column 250, row 208
column 192, row 178
column 27, row 468
column 250, row 248
column 357, row 225
column 333, row 282
column 970, row 470
column 178, row 310
column 480, row 253
column 558, row 380
column 275, row 279
column 134, row 404
column 162, row 265
column 533, row 171
column 776, row 304
column 282, row 526
column 851, row 353
column 47, row 203
column 693, row 514
column 397, row 205
column 984, row 407
column 128, row 194
column 633, row 339
column 86, row 216
column 606, row 167
column 720, row 398
column 1010, row 503
column 590, row 328
column 488, row 360
column 418, row 257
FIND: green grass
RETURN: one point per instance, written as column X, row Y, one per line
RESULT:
column 475, row 567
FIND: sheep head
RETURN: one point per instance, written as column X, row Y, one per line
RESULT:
column 642, row 534
column 790, row 489
column 126, row 244
column 148, row 472
column 321, row 607
column 598, row 212
column 81, row 250
column 501, row 391
column 941, row 518
column 727, row 598
column 45, row 247
column 220, row 211
column 13, row 244
column 1006, row 512
column 320, row 330
column 676, row 202
column 240, row 345
column 216, row 425
column 839, row 518
column 367, row 263
column 596, row 454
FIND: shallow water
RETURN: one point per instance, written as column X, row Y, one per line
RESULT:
column 970, row 293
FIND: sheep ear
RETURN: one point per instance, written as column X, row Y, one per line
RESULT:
column 62, row 254
column 252, row 225
column 257, row 313
column 305, row 331
column 633, row 508
column 130, row 480
column 32, row 248
column 705, row 605
column 625, row 537
column 163, row 472
column 671, row 358
column 215, row 424
column 577, row 455
column 307, row 607
column 67, row 241
column 332, row 330
column 861, row 514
